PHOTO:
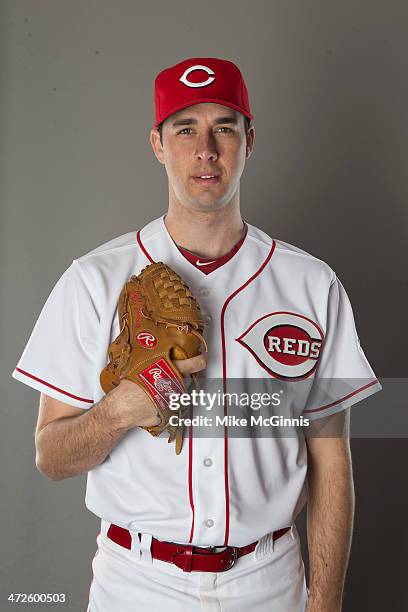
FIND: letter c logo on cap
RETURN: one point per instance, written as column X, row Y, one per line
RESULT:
column 186, row 73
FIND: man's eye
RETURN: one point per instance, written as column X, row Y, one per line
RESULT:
column 226, row 128
column 185, row 130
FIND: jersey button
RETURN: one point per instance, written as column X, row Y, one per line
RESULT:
column 204, row 292
column 208, row 462
column 209, row 523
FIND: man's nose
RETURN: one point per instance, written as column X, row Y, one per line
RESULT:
column 206, row 148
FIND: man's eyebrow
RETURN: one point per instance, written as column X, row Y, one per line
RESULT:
column 192, row 121
column 186, row 121
column 228, row 119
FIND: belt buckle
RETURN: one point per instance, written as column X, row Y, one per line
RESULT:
column 233, row 560
column 179, row 558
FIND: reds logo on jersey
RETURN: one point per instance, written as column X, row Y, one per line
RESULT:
column 146, row 339
column 285, row 344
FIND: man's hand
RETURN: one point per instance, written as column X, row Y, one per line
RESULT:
column 80, row 440
column 133, row 405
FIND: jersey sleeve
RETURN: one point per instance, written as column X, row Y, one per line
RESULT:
column 59, row 357
column 343, row 375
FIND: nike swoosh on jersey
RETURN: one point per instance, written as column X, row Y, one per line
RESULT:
column 203, row 263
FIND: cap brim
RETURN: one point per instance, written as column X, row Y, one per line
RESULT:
column 201, row 101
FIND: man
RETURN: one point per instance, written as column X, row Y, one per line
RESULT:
column 272, row 312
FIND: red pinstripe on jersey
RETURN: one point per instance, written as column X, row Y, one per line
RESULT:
column 190, row 480
column 81, row 399
column 224, row 376
column 370, row 384
column 190, row 445
column 139, row 240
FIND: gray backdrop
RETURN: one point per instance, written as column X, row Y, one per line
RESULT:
column 329, row 89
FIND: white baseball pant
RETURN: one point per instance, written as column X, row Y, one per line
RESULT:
column 270, row 579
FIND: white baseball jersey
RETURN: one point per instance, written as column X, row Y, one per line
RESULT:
column 272, row 312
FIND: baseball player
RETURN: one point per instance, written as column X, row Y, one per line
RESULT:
column 210, row 528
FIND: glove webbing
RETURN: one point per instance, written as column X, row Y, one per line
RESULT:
column 172, row 281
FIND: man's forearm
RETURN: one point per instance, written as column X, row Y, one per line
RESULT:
column 73, row 445
column 329, row 528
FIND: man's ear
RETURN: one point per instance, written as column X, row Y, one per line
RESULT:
column 250, row 140
column 156, row 144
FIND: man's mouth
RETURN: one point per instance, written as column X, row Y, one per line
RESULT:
column 206, row 179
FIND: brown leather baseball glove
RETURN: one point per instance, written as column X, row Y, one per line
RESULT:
column 159, row 321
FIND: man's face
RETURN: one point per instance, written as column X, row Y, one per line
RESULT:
column 204, row 140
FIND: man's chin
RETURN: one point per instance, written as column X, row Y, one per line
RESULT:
column 207, row 206
column 207, row 203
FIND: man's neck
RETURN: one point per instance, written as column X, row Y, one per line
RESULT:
column 207, row 234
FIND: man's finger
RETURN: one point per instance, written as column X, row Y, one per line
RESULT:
column 191, row 365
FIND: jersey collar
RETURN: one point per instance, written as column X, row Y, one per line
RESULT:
column 207, row 265
column 157, row 245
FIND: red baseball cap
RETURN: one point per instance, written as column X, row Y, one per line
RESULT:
column 199, row 79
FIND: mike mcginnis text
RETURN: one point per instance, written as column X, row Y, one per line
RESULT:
column 233, row 421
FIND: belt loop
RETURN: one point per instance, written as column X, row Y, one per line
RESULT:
column 145, row 547
column 260, row 548
column 188, row 558
column 264, row 546
column 105, row 527
column 135, row 545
